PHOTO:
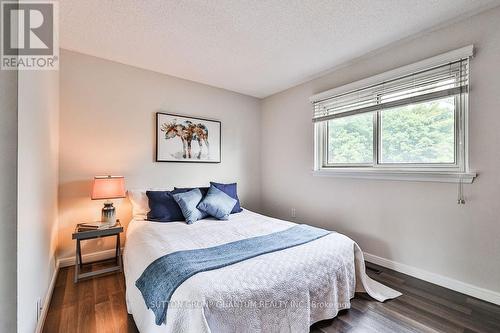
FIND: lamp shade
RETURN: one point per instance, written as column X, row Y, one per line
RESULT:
column 108, row 187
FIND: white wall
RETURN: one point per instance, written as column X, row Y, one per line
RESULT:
column 417, row 224
column 8, row 199
column 38, row 98
column 108, row 127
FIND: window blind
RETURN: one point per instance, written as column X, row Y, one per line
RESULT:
column 449, row 79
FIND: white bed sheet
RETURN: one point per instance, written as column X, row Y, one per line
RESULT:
column 283, row 291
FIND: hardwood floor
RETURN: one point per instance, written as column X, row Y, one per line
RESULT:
column 89, row 306
column 98, row 305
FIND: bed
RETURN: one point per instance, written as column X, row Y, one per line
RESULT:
column 282, row 291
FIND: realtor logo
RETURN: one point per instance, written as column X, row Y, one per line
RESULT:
column 29, row 35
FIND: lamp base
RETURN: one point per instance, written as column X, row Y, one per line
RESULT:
column 108, row 214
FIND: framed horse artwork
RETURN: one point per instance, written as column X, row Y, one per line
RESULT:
column 187, row 139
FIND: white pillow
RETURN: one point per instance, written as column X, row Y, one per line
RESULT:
column 140, row 204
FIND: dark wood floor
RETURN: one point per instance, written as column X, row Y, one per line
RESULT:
column 98, row 305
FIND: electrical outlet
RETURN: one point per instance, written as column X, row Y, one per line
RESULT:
column 294, row 213
column 38, row 308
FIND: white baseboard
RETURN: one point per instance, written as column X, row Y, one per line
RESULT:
column 101, row 255
column 443, row 281
column 48, row 298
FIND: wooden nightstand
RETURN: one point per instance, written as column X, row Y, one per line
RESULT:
column 84, row 235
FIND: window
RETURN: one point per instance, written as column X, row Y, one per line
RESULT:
column 408, row 123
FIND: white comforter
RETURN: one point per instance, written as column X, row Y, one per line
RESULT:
column 283, row 291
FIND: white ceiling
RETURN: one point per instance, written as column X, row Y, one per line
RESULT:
column 253, row 47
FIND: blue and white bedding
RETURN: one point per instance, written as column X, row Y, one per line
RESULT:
column 282, row 291
column 160, row 279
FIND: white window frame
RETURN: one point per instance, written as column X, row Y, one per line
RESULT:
column 458, row 172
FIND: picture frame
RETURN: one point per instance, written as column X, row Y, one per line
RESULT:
column 186, row 139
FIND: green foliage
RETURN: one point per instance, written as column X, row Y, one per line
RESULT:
column 418, row 133
column 350, row 139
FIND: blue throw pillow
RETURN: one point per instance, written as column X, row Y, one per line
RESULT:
column 217, row 203
column 188, row 201
column 230, row 189
column 163, row 207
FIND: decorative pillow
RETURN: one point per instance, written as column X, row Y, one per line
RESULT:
column 187, row 202
column 163, row 207
column 230, row 189
column 203, row 190
column 217, row 203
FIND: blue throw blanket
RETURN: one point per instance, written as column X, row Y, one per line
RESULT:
column 164, row 275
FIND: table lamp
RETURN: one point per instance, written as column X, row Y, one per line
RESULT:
column 106, row 188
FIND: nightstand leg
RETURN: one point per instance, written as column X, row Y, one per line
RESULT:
column 116, row 247
column 78, row 259
column 118, row 252
column 80, row 254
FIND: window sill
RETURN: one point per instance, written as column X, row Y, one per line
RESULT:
column 415, row 176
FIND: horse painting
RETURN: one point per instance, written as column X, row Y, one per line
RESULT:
column 187, row 131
